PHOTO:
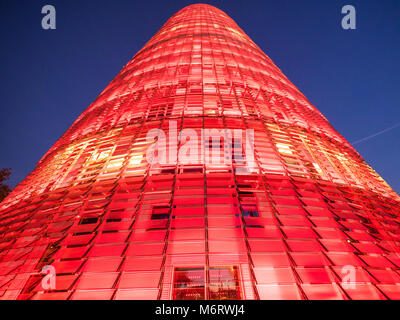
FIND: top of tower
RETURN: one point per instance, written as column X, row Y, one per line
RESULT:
column 203, row 36
column 200, row 5
column 200, row 64
column 195, row 5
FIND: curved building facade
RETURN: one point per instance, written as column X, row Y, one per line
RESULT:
column 201, row 172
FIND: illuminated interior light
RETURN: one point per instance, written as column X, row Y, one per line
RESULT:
column 318, row 168
column 283, row 148
column 115, row 164
column 136, row 160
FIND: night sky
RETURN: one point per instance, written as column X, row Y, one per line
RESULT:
column 49, row 77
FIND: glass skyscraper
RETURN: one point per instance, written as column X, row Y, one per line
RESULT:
column 272, row 204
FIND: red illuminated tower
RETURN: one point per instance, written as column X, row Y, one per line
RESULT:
column 308, row 219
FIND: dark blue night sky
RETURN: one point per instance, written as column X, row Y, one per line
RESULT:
column 49, row 77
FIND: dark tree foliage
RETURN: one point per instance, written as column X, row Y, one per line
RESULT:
column 4, row 189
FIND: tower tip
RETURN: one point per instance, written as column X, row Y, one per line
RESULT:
column 199, row 5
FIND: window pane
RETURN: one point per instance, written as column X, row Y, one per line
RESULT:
column 224, row 283
column 189, row 284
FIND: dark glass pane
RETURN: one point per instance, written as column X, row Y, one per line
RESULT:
column 189, row 284
column 224, row 283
